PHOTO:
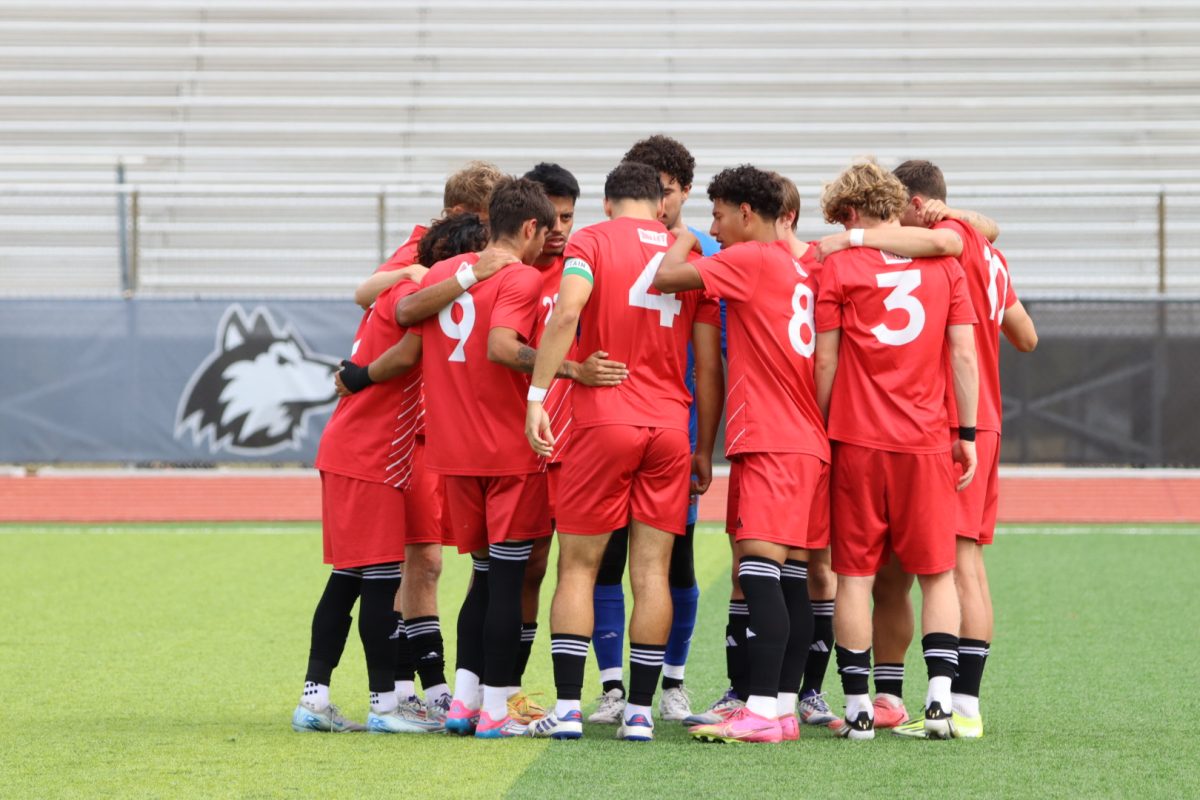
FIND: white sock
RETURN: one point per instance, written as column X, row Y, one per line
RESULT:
column 383, row 702
column 564, row 707
column 965, row 704
column 763, row 705
column 673, row 672
column 858, row 703
column 432, row 693
column 785, row 703
column 612, row 674
column 406, row 689
column 495, row 701
column 315, row 694
column 466, row 688
column 632, row 711
column 513, row 691
column 939, row 692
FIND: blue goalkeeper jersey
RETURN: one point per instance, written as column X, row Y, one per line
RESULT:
column 709, row 246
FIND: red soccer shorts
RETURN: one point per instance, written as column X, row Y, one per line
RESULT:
column 362, row 523
column 884, row 502
column 781, row 498
column 424, row 501
column 978, row 503
column 491, row 509
column 553, row 475
column 618, row 471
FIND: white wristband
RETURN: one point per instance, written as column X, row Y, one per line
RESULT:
column 856, row 237
column 536, row 395
column 466, row 278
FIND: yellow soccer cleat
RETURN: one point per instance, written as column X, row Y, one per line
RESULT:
column 967, row 727
column 523, row 709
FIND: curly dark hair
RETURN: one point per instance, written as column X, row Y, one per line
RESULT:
column 630, row 180
column 452, row 236
column 557, row 181
column 761, row 190
column 665, row 155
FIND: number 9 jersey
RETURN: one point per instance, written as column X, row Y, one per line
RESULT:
column 635, row 324
column 889, row 390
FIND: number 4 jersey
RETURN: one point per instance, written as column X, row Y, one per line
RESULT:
column 635, row 324
column 890, row 389
column 770, row 299
column 475, row 409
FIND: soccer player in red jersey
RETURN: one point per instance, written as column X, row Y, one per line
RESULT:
column 563, row 191
column 466, row 192
column 775, row 436
column 629, row 453
column 884, row 322
column 931, row 228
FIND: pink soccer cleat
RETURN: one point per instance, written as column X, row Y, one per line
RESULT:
column 888, row 714
column 460, row 719
column 790, row 727
column 742, row 725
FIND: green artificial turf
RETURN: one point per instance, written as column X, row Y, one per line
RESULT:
column 156, row 661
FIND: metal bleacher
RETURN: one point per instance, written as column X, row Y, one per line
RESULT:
column 283, row 146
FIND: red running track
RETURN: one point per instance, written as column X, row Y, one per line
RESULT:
column 221, row 496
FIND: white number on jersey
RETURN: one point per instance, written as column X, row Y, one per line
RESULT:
column 665, row 304
column 803, row 316
column 997, row 293
column 903, row 283
column 549, row 302
column 460, row 330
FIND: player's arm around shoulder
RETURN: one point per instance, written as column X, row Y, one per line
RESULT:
column 433, row 297
column 392, row 363
column 675, row 273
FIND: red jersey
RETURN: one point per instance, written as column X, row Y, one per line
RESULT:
column 770, row 302
column 558, row 399
column 635, row 324
column 475, row 418
column 372, row 433
column 890, row 389
column 991, row 295
column 406, row 254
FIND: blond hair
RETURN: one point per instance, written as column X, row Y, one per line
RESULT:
column 868, row 188
column 471, row 187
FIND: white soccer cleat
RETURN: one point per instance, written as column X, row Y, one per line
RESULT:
column 311, row 719
column 611, row 708
column 724, row 705
column 637, row 728
column 675, row 705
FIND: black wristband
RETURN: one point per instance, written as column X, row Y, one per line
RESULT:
column 966, row 434
column 354, row 377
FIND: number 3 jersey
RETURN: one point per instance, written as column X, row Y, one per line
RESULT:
column 889, row 392
column 770, row 299
column 475, row 409
column 635, row 324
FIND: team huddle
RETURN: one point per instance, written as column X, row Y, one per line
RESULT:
column 510, row 381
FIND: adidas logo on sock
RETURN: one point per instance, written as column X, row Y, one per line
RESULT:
column 730, row 641
column 750, row 634
column 819, row 647
column 609, row 635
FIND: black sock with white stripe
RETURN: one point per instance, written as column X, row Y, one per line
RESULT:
column 406, row 668
column 502, row 623
column 528, row 635
column 941, row 662
column 569, row 652
column 889, row 679
column 331, row 625
column 470, row 620
column 645, row 667
column 821, row 648
column 737, row 655
column 768, row 633
column 855, row 669
column 376, row 622
column 425, row 638
column 794, row 580
column 972, row 656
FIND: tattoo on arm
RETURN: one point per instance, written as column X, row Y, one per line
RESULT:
column 526, row 355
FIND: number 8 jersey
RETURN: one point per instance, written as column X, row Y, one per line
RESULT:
column 889, row 392
column 634, row 323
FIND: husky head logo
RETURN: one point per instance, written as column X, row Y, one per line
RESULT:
column 254, row 393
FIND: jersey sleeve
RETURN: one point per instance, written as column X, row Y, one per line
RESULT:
column 708, row 311
column 580, row 256
column 517, row 302
column 385, row 304
column 732, row 274
column 961, row 311
column 829, row 299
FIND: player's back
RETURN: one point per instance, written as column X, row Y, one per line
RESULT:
column 889, row 390
column 475, row 408
column 634, row 323
column 991, row 293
